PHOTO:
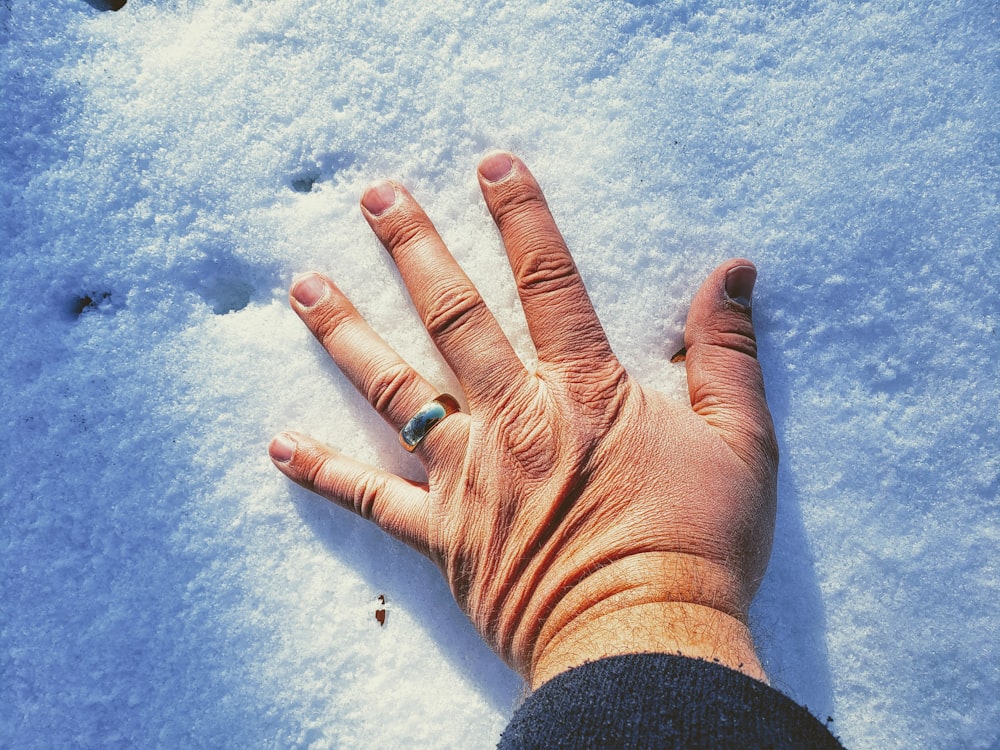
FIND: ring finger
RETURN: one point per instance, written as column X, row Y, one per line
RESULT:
column 393, row 388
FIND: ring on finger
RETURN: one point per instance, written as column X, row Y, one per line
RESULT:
column 429, row 415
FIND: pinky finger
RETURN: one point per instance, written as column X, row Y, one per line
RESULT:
column 396, row 505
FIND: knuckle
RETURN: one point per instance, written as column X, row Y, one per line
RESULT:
column 314, row 469
column 601, row 392
column 607, row 391
column 365, row 495
column 738, row 408
column 544, row 265
column 402, row 232
column 743, row 342
column 720, row 346
column 736, row 334
column 518, row 199
column 321, row 473
column 451, row 310
column 709, row 398
column 527, row 434
column 547, row 268
column 384, row 384
column 328, row 319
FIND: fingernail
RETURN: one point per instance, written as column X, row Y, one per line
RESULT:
column 496, row 166
column 739, row 284
column 379, row 198
column 309, row 290
column 282, row 448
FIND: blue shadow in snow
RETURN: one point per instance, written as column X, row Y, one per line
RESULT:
column 787, row 618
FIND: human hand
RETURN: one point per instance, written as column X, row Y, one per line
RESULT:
column 574, row 514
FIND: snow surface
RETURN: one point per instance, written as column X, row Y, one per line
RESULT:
column 167, row 170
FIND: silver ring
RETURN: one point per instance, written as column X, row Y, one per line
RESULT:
column 424, row 420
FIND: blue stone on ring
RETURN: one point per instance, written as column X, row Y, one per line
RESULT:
column 424, row 420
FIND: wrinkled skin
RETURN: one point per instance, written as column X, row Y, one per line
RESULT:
column 574, row 513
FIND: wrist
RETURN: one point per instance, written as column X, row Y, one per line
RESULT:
column 652, row 603
column 692, row 630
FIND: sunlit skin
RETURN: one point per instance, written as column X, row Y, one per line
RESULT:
column 574, row 513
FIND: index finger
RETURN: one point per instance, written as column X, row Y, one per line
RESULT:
column 561, row 318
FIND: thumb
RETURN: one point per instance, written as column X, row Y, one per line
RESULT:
column 725, row 382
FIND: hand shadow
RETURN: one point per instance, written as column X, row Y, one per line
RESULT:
column 407, row 579
column 787, row 617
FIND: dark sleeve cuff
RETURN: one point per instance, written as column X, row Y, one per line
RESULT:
column 661, row 701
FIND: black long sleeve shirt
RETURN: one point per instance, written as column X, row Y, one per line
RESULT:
column 663, row 702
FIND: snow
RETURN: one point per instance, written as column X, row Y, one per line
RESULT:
column 167, row 169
